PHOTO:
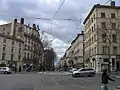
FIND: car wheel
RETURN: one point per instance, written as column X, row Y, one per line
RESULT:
column 77, row 75
column 73, row 75
column 5, row 72
column 9, row 73
column 92, row 75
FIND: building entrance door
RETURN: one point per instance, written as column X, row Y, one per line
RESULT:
column 118, row 65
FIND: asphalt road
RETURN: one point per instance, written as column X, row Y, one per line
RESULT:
column 51, row 81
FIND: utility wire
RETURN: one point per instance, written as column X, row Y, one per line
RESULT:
column 107, row 2
column 27, row 17
column 58, row 10
column 40, row 18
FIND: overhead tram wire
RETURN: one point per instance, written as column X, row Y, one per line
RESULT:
column 107, row 2
column 58, row 10
column 55, row 15
column 29, row 17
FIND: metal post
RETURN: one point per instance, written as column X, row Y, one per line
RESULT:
column 83, row 50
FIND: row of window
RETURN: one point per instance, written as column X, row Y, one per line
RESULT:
column 93, row 51
column 4, row 32
column 113, row 38
column 103, row 15
column 12, row 57
column 91, row 30
column 31, row 31
column 104, row 39
column 104, row 26
column 31, row 48
column 12, row 49
column 91, row 40
column 106, row 50
column 28, row 40
column 13, row 43
column 90, row 21
column 30, row 56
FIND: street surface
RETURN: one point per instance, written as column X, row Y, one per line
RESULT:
column 51, row 81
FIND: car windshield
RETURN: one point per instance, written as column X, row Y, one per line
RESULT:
column 59, row 44
column 4, row 68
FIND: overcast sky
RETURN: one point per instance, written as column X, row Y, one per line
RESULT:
column 63, row 32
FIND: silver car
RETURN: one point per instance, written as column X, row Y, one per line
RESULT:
column 72, row 70
column 5, row 70
column 84, row 72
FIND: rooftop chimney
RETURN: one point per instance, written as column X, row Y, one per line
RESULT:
column 82, row 32
column 112, row 3
column 28, row 25
column 14, row 27
column 34, row 26
column 15, row 20
column 38, row 27
column 22, row 21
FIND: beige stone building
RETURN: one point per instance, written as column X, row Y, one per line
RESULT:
column 32, row 46
column 102, row 37
column 11, row 45
column 62, row 62
column 20, row 44
column 77, row 51
column 74, row 54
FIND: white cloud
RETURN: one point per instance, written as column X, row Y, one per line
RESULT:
column 59, row 47
column 3, row 22
column 62, row 31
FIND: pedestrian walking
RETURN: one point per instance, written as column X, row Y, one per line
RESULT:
column 15, row 70
column 105, row 78
column 19, row 69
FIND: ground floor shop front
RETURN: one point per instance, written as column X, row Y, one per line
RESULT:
column 101, row 62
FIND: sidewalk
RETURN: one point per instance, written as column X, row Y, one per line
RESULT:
column 24, row 72
column 113, row 74
column 116, row 74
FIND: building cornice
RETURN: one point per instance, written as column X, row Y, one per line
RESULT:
column 11, row 37
column 99, row 6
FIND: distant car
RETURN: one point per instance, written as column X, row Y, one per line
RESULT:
column 5, row 70
column 72, row 70
column 84, row 72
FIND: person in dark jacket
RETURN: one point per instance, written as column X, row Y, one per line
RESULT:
column 105, row 79
column 15, row 70
column 19, row 69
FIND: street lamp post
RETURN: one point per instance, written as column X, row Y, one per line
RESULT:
column 83, row 49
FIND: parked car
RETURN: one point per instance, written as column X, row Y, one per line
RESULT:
column 84, row 72
column 5, row 70
column 72, row 70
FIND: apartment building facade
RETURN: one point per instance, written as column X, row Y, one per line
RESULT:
column 102, row 40
column 11, row 45
column 32, row 46
column 74, row 54
column 48, row 59
column 77, row 50
column 20, row 45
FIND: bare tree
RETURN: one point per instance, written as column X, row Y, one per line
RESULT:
column 45, row 40
column 109, row 34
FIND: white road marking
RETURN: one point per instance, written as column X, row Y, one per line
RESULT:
column 57, row 84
